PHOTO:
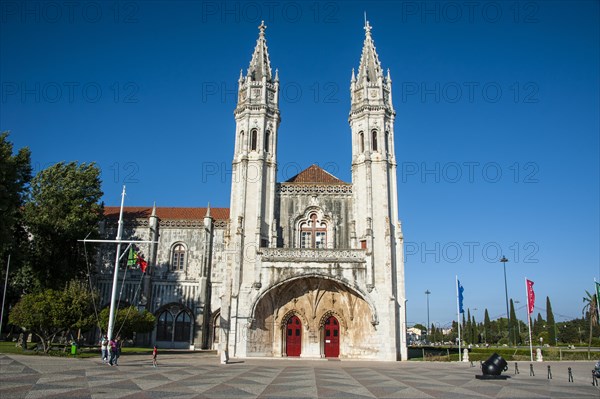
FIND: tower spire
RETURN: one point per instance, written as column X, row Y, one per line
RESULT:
column 370, row 67
column 260, row 64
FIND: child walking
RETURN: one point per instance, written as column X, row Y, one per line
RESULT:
column 154, row 354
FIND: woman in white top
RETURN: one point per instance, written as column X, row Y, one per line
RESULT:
column 104, row 347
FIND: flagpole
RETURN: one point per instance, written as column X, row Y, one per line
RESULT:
column 529, row 320
column 597, row 287
column 458, row 318
column 113, row 297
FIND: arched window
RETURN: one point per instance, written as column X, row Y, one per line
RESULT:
column 374, row 140
column 253, row 139
column 178, row 258
column 241, row 142
column 313, row 233
column 164, row 327
column 183, row 323
column 267, row 139
column 387, row 142
column 361, row 141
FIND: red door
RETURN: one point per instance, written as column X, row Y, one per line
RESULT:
column 293, row 339
column 332, row 337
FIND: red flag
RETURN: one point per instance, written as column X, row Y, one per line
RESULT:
column 530, row 296
column 143, row 264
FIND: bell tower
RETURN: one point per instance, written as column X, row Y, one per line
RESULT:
column 375, row 192
column 254, row 172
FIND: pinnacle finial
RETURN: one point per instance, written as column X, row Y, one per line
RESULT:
column 154, row 209
column 262, row 27
column 353, row 76
column 276, row 75
column 208, row 211
column 368, row 27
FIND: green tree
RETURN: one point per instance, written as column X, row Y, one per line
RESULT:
column 64, row 206
column 128, row 321
column 538, row 325
column 453, row 334
column 51, row 312
column 590, row 311
column 550, row 323
column 513, row 324
column 487, row 325
column 15, row 175
column 432, row 333
column 421, row 327
column 467, row 334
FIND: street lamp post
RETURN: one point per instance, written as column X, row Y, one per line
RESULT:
column 504, row 260
column 427, row 293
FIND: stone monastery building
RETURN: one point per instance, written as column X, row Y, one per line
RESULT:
column 310, row 267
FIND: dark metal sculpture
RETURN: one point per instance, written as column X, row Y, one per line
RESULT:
column 493, row 368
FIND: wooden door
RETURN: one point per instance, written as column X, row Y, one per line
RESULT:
column 332, row 337
column 293, row 339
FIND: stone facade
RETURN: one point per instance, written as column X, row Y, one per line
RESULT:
column 310, row 267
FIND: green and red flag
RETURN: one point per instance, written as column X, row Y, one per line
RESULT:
column 135, row 259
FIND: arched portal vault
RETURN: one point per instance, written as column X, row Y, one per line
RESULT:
column 312, row 299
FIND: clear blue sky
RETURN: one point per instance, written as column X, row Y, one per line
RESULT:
column 497, row 127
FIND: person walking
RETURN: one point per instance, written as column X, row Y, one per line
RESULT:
column 118, row 344
column 154, row 355
column 104, row 348
column 112, row 344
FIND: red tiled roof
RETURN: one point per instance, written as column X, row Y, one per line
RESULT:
column 136, row 212
column 315, row 174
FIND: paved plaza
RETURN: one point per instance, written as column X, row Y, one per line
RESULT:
column 201, row 376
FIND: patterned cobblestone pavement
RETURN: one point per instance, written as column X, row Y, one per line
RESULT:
column 197, row 376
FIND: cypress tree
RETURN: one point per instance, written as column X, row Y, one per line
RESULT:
column 550, row 322
column 487, row 325
column 513, row 323
column 467, row 334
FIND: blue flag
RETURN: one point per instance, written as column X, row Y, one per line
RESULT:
column 460, row 297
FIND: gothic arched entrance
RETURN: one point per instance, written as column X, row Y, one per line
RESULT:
column 332, row 337
column 293, row 337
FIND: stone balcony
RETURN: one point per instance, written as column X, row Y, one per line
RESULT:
column 313, row 255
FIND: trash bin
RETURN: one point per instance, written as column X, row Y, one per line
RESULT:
column 73, row 348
